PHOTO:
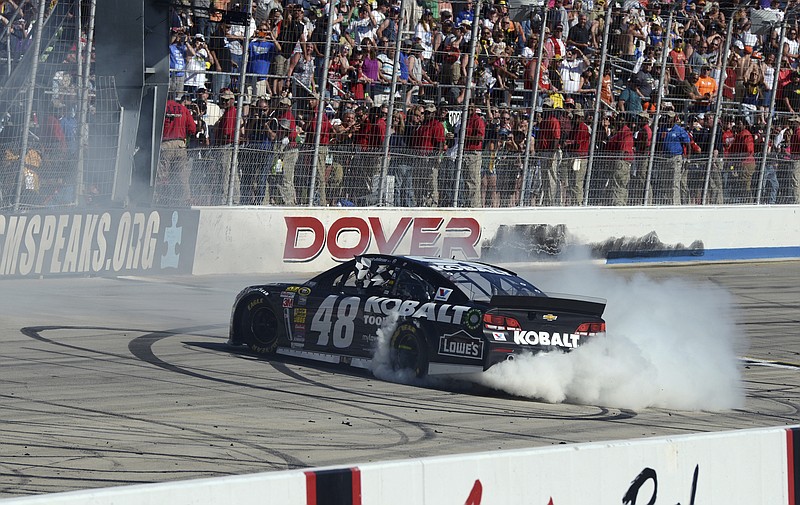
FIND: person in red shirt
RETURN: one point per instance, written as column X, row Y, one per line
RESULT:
column 576, row 157
column 179, row 125
column 324, row 141
column 286, row 147
column 224, row 134
column 473, row 145
column 642, row 139
column 744, row 163
column 430, row 142
column 794, row 153
column 621, row 146
column 548, row 144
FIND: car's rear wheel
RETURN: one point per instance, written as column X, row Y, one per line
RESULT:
column 258, row 325
column 410, row 350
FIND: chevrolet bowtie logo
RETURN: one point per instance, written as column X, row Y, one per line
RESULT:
column 549, row 317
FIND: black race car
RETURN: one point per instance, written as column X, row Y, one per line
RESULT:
column 440, row 316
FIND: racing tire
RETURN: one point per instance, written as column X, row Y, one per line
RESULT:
column 258, row 325
column 410, row 350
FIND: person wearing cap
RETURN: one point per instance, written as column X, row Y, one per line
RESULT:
column 197, row 59
column 554, row 47
column 466, row 14
column 548, row 147
column 794, row 154
column 324, row 142
column 570, row 69
column 642, row 139
column 286, row 144
column 223, row 138
column 390, row 27
column 706, row 86
column 702, row 137
column 429, row 143
column 173, row 162
column 688, row 97
column 630, row 100
column 576, row 154
column 448, row 54
column 676, row 65
column 742, row 154
column 473, row 145
column 621, row 148
column 673, row 141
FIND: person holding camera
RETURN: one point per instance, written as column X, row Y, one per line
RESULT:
column 179, row 126
column 177, row 61
column 199, row 60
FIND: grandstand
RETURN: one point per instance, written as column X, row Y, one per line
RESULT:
column 360, row 103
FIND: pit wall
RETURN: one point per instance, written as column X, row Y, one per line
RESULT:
column 271, row 240
column 268, row 240
column 747, row 466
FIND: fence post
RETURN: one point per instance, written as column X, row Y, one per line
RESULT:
column 239, row 104
column 651, row 159
column 718, row 106
column 26, row 122
column 390, row 112
column 771, row 116
column 473, row 44
column 526, row 172
column 597, row 104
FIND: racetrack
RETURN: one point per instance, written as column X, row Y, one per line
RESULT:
column 118, row 381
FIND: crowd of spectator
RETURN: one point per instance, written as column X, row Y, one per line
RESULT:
column 281, row 92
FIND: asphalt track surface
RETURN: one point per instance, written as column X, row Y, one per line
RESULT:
column 119, row 381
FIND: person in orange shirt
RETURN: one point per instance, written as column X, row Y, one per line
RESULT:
column 707, row 87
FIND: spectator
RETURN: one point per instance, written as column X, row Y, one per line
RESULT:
column 706, row 87
column 199, row 57
column 324, row 140
column 794, row 154
column 221, row 61
column 642, row 140
column 292, row 32
column 261, row 52
column 673, row 140
column 429, row 141
column 177, row 62
column 576, row 158
column 744, row 163
column 179, row 126
column 473, row 144
column 287, row 150
column 224, row 135
column 548, row 146
column 791, row 94
column 570, row 70
column 621, row 146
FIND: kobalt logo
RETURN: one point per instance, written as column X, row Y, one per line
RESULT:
column 461, row 345
column 439, row 312
column 545, row 338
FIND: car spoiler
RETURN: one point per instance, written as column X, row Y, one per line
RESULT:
column 590, row 308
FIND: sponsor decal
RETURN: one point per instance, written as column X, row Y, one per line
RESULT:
column 292, row 289
column 461, row 345
column 439, row 312
column 288, row 303
column 307, row 237
column 300, row 316
column 472, row 319
column 569, row 340
column 98, row 243
column 499, row 336
column 301, row 301
column 304, row 291
column 443, row 294
column 458, row 266
column 550, row 317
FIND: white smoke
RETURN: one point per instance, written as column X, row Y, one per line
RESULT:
column 670, row 344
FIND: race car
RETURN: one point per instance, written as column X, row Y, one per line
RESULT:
column 438, row 316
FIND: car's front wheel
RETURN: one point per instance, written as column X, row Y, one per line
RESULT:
column 410, row 350
column 258, row 325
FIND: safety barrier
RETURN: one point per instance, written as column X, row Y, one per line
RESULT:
column 266, row 240
column 746, row 466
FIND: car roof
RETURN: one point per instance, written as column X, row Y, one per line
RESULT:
column 436, row 263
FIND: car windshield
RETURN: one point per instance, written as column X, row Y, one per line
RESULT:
column 482, row 286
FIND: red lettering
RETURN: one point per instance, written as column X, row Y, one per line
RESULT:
column 389, row 246
column 296, row 225
column 343, row 225
column 476, row 494
column 466, row 244
column 425, row 228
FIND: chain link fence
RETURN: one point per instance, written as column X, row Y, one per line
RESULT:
column 54, row 109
